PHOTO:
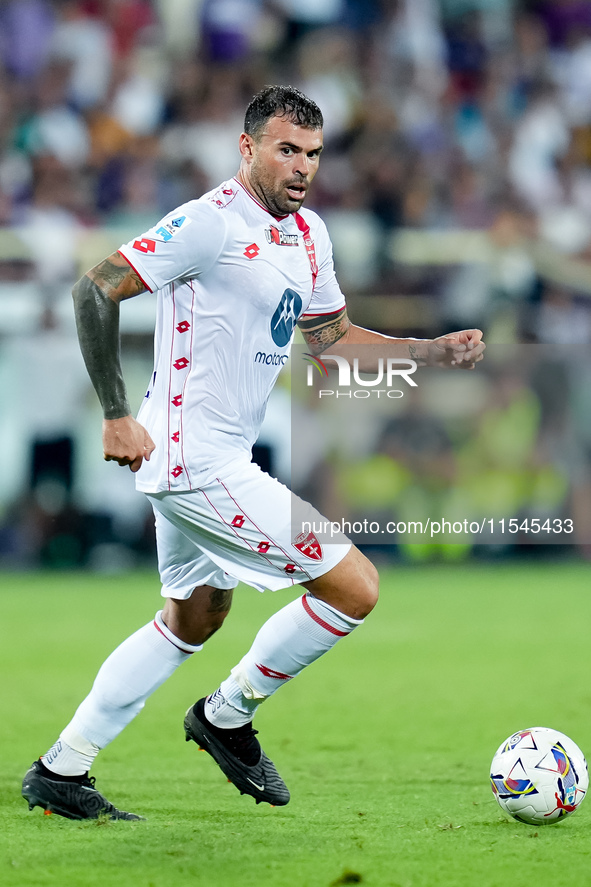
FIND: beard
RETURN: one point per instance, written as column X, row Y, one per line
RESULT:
column 272, row 194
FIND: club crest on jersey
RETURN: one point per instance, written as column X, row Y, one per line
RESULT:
column 274, row 235
column 285, row 317
column 223, row 196
column 309, row 546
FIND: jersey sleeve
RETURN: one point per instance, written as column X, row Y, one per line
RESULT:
column 184, row 244
column 327, row 296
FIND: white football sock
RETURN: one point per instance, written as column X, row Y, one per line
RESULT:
column 125, row 680
column 289, row 641
column 72, row 757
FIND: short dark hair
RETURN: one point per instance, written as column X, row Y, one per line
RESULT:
column 281, row 101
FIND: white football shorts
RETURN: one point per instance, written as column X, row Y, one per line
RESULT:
column 238, row 528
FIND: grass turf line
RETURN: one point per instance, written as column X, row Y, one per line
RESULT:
column 385, row 744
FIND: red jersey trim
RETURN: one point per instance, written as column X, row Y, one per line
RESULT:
column 131, row 265
column 168, row 437
column 309, row 245
column 323, row 313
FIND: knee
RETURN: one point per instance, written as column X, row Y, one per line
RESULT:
column 212, row 624
column 369, row 589
column 218, row 603
column 362, row 587
column 351, row 587
column 191, row 630
column 196, row 619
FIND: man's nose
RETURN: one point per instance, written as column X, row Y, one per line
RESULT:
column 302, row 165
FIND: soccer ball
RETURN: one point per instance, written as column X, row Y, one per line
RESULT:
column 539, row 776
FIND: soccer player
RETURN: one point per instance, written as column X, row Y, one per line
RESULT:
column 233, row 272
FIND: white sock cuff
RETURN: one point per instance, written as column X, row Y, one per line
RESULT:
column 183, row 646
column 325, row 616
column 339, row 617
column 78, row 743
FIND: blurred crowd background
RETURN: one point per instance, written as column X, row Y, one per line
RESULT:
column 456, row 185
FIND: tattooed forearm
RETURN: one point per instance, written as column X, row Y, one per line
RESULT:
column 323, row 331
column 413, row 352
column 96, row 306
column 117, row 278
column 97, row 322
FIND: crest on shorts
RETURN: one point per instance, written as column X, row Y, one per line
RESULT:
column 309, row 546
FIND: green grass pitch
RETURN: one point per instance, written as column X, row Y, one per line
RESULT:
column 385, row 743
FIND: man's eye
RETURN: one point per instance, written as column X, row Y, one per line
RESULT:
column 286, row 151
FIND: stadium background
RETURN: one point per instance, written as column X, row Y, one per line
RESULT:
column 456, row 185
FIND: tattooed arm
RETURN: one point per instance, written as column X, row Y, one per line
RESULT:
column 96, row 306
column 332, row 331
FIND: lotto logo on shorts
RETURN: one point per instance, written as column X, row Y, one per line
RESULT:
column 309, row 545
column 238, row 520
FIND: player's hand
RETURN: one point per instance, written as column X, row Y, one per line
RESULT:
column 126, row 442
column 462, row 349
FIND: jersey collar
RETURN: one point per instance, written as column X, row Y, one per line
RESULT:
column 258, row 203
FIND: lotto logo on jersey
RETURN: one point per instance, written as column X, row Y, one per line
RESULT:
column 145, row 245
column 274, row 235
column 284, row 319
column 252, row 251
column 309, row 545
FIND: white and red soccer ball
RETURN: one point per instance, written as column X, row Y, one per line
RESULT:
column 539, row 776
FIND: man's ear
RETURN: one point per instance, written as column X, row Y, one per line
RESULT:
column 246, row 146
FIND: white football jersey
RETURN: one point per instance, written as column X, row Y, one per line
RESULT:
column 231, row 281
